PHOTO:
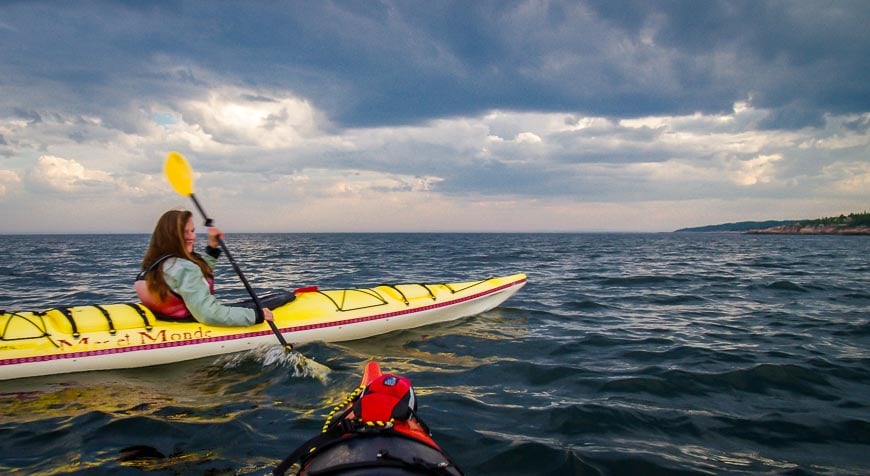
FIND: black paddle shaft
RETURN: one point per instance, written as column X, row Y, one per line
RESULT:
column 257, row 303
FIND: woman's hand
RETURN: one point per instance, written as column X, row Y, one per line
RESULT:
column 267, row 315
column 214, row 234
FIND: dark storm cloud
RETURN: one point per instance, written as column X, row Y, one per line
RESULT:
column 375, row 63
column 799, row 59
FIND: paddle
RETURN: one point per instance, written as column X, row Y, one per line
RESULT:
column 180, row 176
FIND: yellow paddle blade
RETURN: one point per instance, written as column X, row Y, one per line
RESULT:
column 179, row 174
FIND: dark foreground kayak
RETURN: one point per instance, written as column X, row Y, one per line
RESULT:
column 375, row 431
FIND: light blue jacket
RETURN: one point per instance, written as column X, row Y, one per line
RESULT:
column 186, row 279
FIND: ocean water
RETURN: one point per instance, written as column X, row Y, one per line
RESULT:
column 624, row 354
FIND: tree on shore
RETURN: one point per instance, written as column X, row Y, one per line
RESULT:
column 853, row 219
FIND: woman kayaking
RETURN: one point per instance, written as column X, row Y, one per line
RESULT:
column 178, row 283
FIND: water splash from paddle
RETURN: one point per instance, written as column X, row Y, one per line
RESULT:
column 277, row 356
column 302, row 366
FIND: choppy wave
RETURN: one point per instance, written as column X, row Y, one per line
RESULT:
column 624, row 354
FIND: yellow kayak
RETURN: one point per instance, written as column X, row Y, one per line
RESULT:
column 117, row 336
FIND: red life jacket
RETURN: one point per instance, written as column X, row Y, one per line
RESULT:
column 173, row 306
column 389, row 397
column 389, row 400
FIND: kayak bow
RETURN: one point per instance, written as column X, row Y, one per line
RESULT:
column 375, row 431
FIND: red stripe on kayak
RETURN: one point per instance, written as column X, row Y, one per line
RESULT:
column 247, row 335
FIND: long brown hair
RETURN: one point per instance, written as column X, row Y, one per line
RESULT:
column 168, row 239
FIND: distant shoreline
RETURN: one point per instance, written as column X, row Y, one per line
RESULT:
column 798, row 229
column 788, row 229
column 853, row 224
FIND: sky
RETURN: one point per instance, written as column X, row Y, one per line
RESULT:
column 433, row 116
